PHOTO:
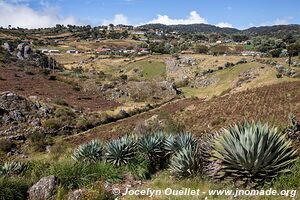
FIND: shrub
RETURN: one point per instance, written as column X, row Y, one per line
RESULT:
column 60, row 102
column 186, row 162
column 35, row 170
column 52, row 124
column 84, row 124
column 64, row 113
column 6, row 145
column 13, row 189
column 139, row 167
column 52, row 78
column 75, row 175
column 90, row 152
column 251, row 153
column 178, row 142
column 76, row 87
column 278, row 75
column 38, row 141
column 121, row 151
column 152, row 146
column 12, row 168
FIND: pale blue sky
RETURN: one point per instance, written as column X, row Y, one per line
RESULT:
column 234, row 13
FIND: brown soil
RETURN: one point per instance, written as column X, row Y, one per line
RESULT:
column 270, row 104
column 16, row 80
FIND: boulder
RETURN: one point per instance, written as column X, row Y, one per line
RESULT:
column 44, row 189
column 7, row 47
column 77, row 194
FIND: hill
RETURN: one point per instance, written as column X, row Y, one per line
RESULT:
column 204, row 28
column 275, row 31
column 268, row 103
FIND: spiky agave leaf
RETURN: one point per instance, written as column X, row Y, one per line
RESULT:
column 121, row 151
column 89, row 152
column 187, row 162
column 12, row 168
column 175, row 143
column 252, row 153
column 152, row 146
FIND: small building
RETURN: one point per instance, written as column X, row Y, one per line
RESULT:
column 72, row 51
column 139, row 33
column 187, row 52
column 54, row 51
column 44, row 50
column 143, row 51
column 103, row 50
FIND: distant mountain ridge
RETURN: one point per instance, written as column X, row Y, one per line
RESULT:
column 207, row 28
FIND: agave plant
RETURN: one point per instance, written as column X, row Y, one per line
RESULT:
column 90, row 152
column 187, row 162
column 12, row 168
column 251, row 153
column 152, row 146
column 121, row 151
column 178, row 142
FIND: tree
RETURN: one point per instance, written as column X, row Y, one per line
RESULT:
column 289, row 39
column 293, row 50
column 201, row 49
column 275, row 53
column 239, row 38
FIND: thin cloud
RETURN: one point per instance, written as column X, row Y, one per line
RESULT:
column 278, row 21
column 19, row 15
column 118, row 19
column 193, row 18
column 224, row 25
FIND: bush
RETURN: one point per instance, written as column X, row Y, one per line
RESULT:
column 76, row 87
column 251, row 154
column 6, row 145
column 121, row 151
column 38, row 141
column 60, row 102
column 13, row 189
column 187, row 162
column 152, row 147
column 12, row 168
column 35, row 170
column 64, row 114
column 52, row 124
column 52, row 78
column 174, row 144
column 84, row 124
column 279, row 75
column 139, row 167
column 75, row 175
column 89, row 152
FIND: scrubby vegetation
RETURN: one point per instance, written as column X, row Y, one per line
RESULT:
column 249, row 154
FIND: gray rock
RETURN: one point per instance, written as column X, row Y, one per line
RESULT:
column 77, row 194
column 7, row 47
column 44, row 189
column 26, row 51
column 17, row 113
